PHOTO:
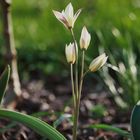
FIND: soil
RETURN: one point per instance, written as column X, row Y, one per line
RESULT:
column 54, row 98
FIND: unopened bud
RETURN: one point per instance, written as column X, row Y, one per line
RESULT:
column 98, row 62
column 70, row 53
column 84, row 39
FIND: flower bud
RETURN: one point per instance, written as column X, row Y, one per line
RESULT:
column 84, row 39
column 98, row 62
column 70, row 53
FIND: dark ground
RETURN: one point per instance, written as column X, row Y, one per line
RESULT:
column 54, row 98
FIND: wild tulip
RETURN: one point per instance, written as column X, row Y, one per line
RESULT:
column 85, row 38
column 70, row 53
column 67, row 16
column 98, row 62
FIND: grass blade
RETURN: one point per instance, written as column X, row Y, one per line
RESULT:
column 11, row 125
column 61, row 119
column 4, row 81
column 111, row 128
column 36, row 124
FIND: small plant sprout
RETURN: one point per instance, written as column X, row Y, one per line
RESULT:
column 67, row 16
column 68, row 19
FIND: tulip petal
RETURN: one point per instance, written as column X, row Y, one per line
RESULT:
column 69, row 11
column 61, row 17
column 98, row 58
column 77, row 14
column 103, row 61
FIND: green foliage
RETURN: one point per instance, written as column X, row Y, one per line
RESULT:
column 124, row 84
column 98, row 111
column 135, row 121
column 119, row 38
column 111, row 128
column 62, row 118
column 37, row 125
column 4, row 129
column 120, row 41
column 3, row 82
column 35, row 29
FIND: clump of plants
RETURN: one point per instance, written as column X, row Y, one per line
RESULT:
column 124, row 84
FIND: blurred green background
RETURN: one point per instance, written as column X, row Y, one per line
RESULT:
column 40, row 38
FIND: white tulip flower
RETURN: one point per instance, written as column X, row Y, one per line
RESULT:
column 70, row 53
column 85, row 38
column 67, row 16
column 98, row 62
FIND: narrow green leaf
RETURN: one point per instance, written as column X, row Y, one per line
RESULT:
column 11, row 125
column 4, row 81
column 61, row 119
column 135, row 122
column 36, row 124
column 111, row 128
column 37, row 115
column 43, row 113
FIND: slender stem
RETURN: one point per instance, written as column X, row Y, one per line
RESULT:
column 76, row 64
column 85, row 73
column 80, row 86
column 72, row 84
column 82, row 74
column 76, row 109
column 74, row 96
column 78, row 100
column 75, row 123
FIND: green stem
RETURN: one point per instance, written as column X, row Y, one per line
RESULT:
column 76, row 115
column 82, row 75
column 75, row 123
column 76, row 64
column 72, row 84
column 85, row 73
column 76, row 109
